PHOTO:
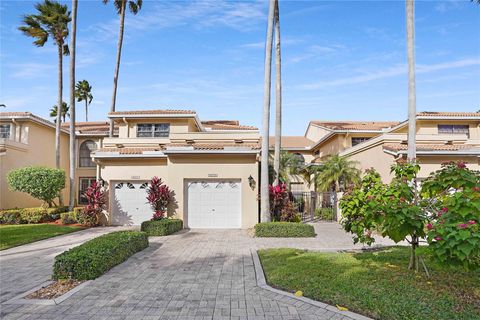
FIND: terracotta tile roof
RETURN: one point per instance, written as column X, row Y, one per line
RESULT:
column 15, row 114
column 3, row 150
column 222, row 126
column 229, row 122
column 129, row 150
column 214, row 146
column 94, row 127
column 447, row 114
column 430, row 147
column 291, row 142
column 146, row 112
column 356, row 125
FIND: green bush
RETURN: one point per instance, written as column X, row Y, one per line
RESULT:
column 95, row 257
column 162, row 227
column 40, row 182
column 324, row 213
column 284, row 230
column 69, row 217
column 30, row 215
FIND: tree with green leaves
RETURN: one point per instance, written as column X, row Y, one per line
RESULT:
column 51, row 21
column 64, row 113
column 83, row 92
column 336, row 173
column 134, row 7
column 291, row 164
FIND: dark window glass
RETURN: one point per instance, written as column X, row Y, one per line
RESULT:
column 86, row 148
column 84, row 183
column 453, row 129
column 357, row 140
column 5, row 131
column 153, row 130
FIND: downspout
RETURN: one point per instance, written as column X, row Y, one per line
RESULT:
column 128, row 129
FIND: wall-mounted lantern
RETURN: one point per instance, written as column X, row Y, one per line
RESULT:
column 251, row 182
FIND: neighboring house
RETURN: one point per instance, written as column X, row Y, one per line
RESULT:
column 211, row 166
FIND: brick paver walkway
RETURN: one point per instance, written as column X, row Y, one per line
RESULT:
column 203, row 274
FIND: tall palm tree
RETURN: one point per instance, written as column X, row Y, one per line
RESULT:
column 121, row 5
column 278, row 96
column 290, row 165
column 264, row 195
column 73, row 48
column 64, row 113
column 51, row 21
column 336, row 172
column 83, row 92
column 412, row 107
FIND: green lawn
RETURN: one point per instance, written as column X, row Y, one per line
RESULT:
column 376, row 284
column 15, row 235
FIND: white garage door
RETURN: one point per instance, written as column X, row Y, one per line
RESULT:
column 130, row 206
column 214, row 204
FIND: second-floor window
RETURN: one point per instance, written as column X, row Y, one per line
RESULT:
column 86, row 148
column 4, row 131
column 153, row 130
column 452, row 129
column 357, row 140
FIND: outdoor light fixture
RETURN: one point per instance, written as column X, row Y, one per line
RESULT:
column 251, row 182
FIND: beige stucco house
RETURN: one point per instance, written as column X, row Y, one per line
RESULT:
column 211, row 166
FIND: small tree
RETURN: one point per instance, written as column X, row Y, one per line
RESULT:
column 159, row 196
column 96, row 204
column 40, row 182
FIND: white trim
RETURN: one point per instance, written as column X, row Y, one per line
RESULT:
column 447, row 118
column 145, row 154
column 211, row 151
column 33, row 118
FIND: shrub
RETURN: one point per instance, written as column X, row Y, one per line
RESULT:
column 159, row 197
column 69, row 217
column 284, row 230
column 95, row 257
column 324, row 213
column 30, row 215
column 96, row 202
column 281, row 207
column 162, row 227
column 41, row 183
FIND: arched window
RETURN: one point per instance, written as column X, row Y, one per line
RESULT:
column 86, row 149
column 300, row 158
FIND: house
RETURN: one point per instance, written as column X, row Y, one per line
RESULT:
column 212, row 166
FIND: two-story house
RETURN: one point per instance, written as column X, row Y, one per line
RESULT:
column 211, row 166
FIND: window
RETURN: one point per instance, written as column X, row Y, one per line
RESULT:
column 84, row 183
column 5, row 131
column 86, row 149
column 153, row 130
column 453, row 129
column 357, row 140
column 300, row 158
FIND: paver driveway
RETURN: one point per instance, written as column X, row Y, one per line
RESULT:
column 204, row 274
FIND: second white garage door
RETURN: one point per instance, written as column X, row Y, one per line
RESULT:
column 214, row 204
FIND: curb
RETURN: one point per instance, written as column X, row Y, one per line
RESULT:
column 262, row 283
column 20, row 299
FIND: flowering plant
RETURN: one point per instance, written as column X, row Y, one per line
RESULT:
column 281, row 208
column 96, row 203
column 159, row 196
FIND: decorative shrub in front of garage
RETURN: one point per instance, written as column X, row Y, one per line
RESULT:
column 95, row 257
column 162, row 227
column 284, row 230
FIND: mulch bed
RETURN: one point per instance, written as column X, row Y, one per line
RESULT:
column 60, row 223
column 54, row 290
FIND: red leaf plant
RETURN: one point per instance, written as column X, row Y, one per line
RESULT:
column 96, row 203
column 159, row 196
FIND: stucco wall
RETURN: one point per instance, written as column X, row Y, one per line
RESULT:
column 376, row 158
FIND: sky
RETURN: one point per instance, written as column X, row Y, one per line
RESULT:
column 341, row 60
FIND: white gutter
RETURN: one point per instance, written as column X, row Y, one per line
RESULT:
column 447, row 118
column 145, row 154
column 211, row 151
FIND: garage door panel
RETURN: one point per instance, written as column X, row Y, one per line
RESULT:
column 130, row 206
column 214, row 204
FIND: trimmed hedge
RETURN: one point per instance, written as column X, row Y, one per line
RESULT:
column 284, row 230
column 30, row 215
column 95, row 257
column 162, row 227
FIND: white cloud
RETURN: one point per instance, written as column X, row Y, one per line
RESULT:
column 315, row 51
column 31, row 70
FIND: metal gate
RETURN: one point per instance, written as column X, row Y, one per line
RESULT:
column 316, row 206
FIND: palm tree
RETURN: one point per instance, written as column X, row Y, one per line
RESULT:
column 63, row 115
column 264, row 195
column 83, row 92
column 278, row 97
column 73, row 48
column 336, row 173
column 120, row 5
column 51, row 21
column 412, row 108
column 290, row 165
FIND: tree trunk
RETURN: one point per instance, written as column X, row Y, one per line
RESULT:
column 73, row 40
column 413, row 264
column 411, row 154
column 86, row 111
column 117, row 66
column 278, row 97
column 59, row 114
column 264, row 194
